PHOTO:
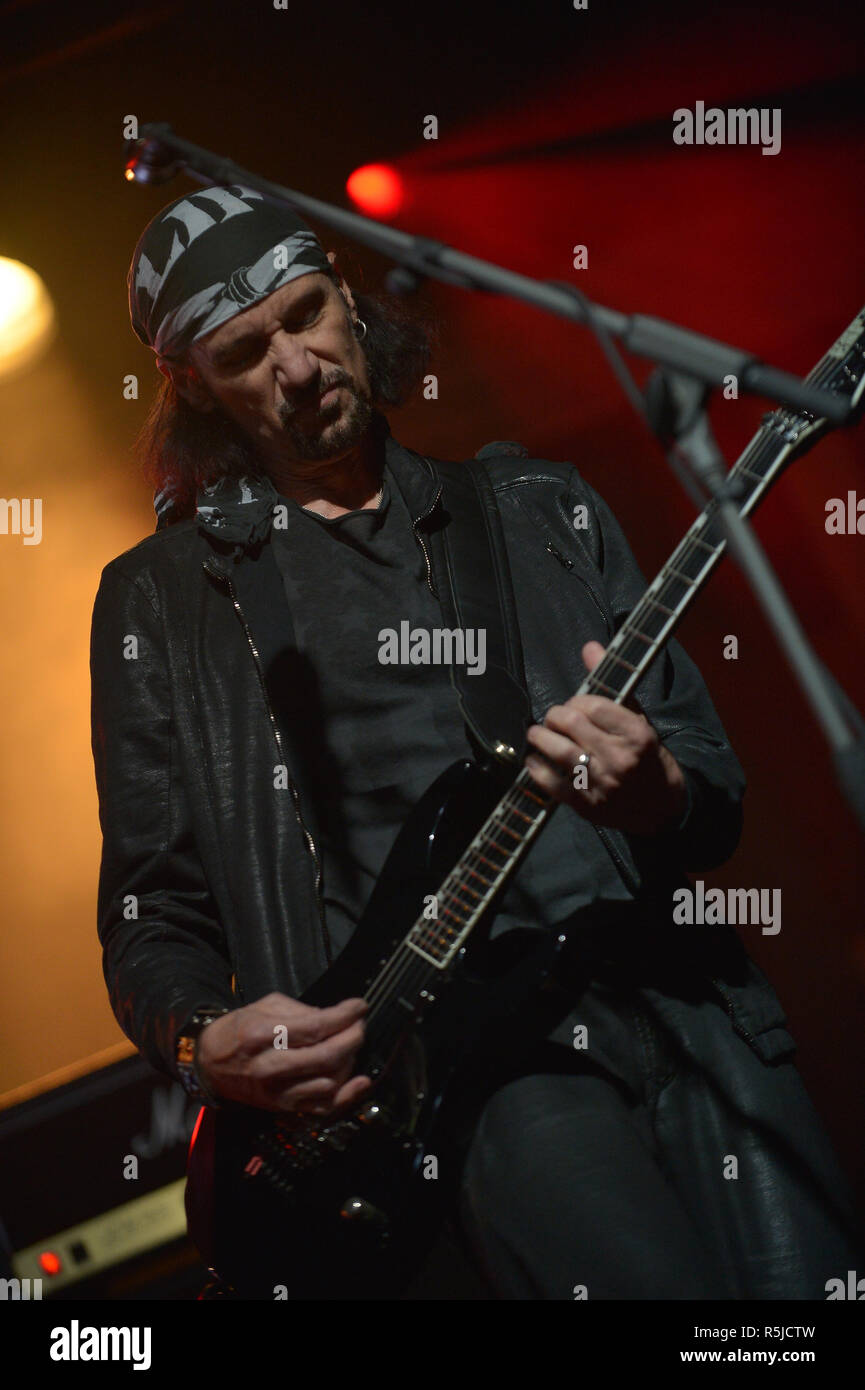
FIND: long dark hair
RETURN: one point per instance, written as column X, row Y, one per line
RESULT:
column 181, row 448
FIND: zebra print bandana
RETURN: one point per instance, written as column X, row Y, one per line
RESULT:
column 208, row 256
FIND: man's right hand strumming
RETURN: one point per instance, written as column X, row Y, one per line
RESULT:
column 281, row 1055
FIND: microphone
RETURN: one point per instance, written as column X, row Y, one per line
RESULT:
column 148, row 160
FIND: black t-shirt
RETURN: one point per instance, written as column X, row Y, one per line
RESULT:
column 376, row 735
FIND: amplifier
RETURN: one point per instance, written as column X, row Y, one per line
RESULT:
column 91, row 1185
column 92, row 1175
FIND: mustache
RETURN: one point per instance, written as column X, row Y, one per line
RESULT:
column 288, row 409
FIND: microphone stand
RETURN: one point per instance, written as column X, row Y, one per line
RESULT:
column 674, row 408
column 158, row 154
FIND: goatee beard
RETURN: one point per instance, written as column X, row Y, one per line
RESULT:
column 324, row 442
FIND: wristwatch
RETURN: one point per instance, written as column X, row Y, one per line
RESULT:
column 184, row 1054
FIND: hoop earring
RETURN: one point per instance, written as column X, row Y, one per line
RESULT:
column 359, row 323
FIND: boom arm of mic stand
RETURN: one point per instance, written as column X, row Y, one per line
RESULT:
column 667, row 343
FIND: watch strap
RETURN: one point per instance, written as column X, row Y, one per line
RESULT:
column 185, row 1050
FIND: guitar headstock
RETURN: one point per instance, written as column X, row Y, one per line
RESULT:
column 842, row 371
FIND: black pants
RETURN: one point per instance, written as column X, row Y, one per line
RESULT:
column 580, row 1183
column 564, row 1197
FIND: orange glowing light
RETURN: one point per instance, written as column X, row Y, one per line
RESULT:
column 27, row 321
column 50, row 1262
column 377, row 189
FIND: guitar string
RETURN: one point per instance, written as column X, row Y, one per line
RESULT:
column 414, row 969
column 406, row 960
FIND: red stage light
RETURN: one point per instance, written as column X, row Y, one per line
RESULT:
column 377, row 189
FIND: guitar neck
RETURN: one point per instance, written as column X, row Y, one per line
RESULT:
column 511, row 828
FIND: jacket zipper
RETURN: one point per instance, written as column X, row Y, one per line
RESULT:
column 589, row 587
column 310, row 842
column 730, row 1007
column 422, row 543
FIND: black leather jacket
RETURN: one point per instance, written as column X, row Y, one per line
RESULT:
column 208, row 888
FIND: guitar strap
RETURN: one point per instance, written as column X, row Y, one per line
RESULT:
column 471, row 574
column 472, row 579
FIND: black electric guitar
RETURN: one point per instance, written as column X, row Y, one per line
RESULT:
column 340, row 1207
